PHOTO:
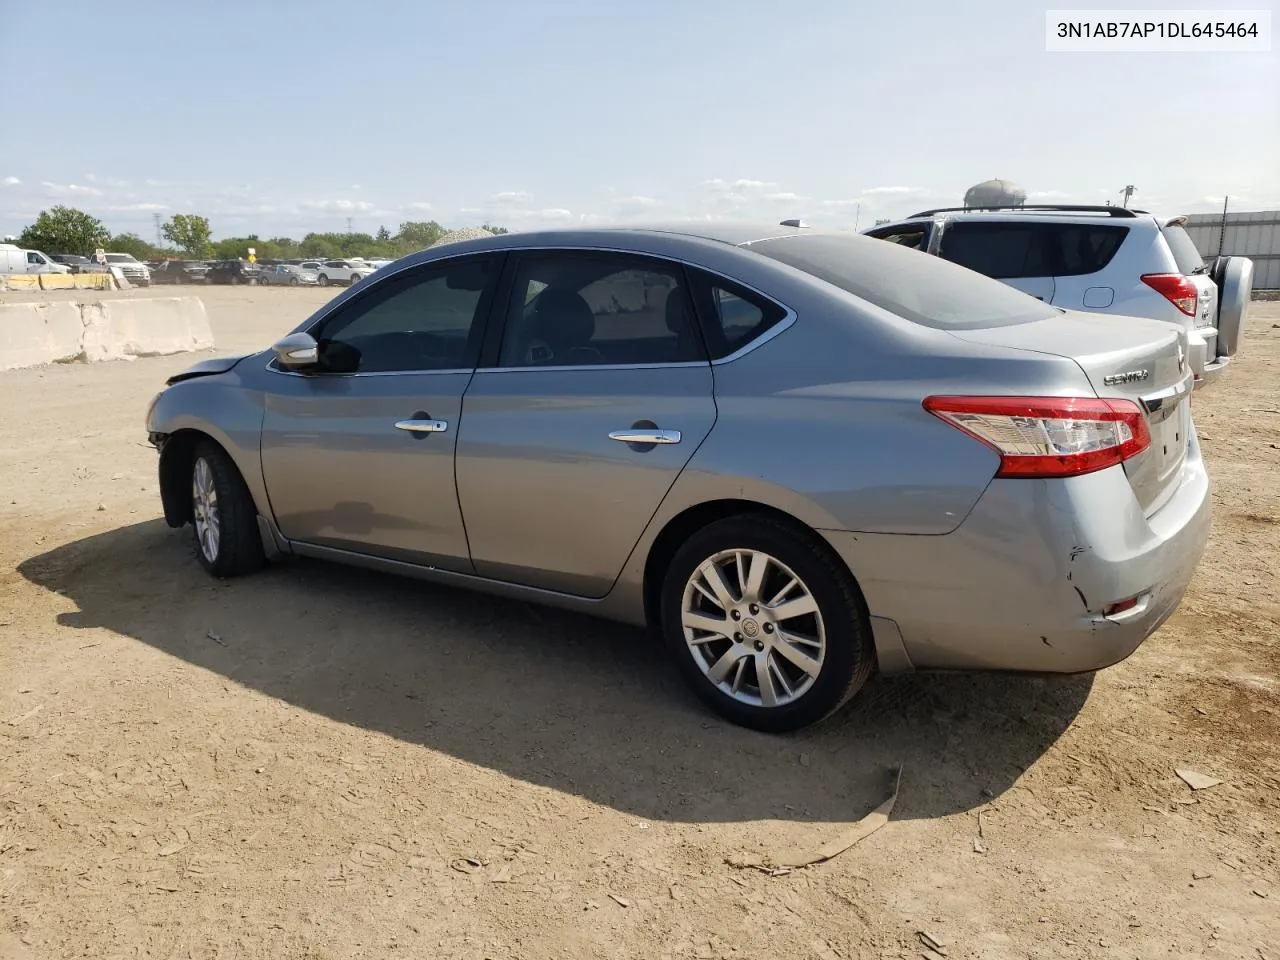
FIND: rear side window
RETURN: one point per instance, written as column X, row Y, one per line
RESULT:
column 1183, row 248
column 914, row 237
column 925, row 290
column 735, row 317
column 1007, row 250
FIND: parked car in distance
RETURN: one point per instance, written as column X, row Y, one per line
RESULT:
column 78, row 264
column 14, row 259
column 234, row 272
column 288, row 275
column 180, row 271
column 342, row 271
column 133, row 271
column 1100, row 259
column 795, row 454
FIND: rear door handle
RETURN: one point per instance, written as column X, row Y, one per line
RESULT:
column 645, row 436
column 423, row 426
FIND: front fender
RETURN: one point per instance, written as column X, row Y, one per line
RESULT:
column 218, row 407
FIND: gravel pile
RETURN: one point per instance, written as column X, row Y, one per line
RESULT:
column 457, row 236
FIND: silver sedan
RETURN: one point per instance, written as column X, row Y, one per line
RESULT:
column 288, row 274
column 798, row 456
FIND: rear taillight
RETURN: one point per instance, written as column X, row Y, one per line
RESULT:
column 1176, row 288
column 1048, row 436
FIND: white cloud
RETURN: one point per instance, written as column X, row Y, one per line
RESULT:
column 135, row 208
column 337, row 206
column 511, row 197
column 720, row 185
column 69, row 189
column 420, row 205
column 1047, row 195
column 842, row 203
column 637, row 202
column 750, row 184
column 11, row 181
column 903, row 190
column 593, row 219
column 784, row 197
column 555, row 214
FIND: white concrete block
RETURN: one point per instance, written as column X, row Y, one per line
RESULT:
column 35, row 333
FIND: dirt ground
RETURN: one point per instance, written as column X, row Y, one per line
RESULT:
column 326, row 763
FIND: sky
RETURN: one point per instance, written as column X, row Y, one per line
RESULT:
column 292, row 116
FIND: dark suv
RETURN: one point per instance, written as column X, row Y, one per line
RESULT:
column 180, row 271
column 234, row 271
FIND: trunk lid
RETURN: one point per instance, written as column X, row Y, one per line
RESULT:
column 1125, row 358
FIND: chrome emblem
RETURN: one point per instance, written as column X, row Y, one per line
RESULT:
column 750, row 629
column 1129, row 376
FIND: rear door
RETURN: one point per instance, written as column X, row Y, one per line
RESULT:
column 1010, row 251
column 590, row 402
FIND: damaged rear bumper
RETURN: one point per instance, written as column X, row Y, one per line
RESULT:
column 1029, row 580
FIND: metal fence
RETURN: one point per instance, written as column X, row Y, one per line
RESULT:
column 1252, row 235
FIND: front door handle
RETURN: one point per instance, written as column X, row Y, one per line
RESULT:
column 423, row 426
column 645, row 436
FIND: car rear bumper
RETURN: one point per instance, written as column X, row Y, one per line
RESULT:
column 1025, row 581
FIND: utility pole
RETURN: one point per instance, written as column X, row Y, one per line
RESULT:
column 857, row 215
column 1222, row 231
column 159, row 235
column 1129, row 191
column 349, row 230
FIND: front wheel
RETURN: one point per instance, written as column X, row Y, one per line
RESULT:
column 766, row 626
column 223, row 515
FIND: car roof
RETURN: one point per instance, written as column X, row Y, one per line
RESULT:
column 1036, row 215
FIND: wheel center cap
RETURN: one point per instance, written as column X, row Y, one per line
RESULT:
column 750, row 629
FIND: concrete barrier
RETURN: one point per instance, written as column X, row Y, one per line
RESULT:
column 35, row 333
column 57, row 281
column 21, row 281
column 69, row 332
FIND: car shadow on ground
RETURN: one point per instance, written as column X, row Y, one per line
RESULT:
column 555, row 699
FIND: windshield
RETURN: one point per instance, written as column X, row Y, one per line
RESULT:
column 917, row 286
column 120, row 258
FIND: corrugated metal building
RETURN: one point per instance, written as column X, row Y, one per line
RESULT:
column 1252, row 235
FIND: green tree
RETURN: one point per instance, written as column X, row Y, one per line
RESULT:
column 383, row 235
column 134, row 244
column 494, row 229
column 64, row 230
column 417, row 235
column 189, row 232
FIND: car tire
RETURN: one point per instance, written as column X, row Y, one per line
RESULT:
column 323, row 280
column 293, row 281
column 1234, row 277
column 223, row 516
column 814, row 661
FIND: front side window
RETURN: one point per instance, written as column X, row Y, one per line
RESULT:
column 426, row 319
column 913, row 237
column 571, row 309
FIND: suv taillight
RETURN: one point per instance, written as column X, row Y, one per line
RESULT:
column 1176, row 288
column 1048, row 436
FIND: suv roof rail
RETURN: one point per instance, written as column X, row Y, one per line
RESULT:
column 1063, row 207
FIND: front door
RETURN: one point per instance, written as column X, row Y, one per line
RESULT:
column 359, row 455
column 575, row 430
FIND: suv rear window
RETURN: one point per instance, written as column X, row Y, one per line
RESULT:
column 926, row 290
column 1183, row 248
column 1007, row 250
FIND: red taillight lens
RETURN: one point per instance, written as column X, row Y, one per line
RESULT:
column 1175, row 288
column 1048, row 436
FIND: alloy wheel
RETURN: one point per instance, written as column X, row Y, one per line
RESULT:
column 204, row 510
column 753, row 628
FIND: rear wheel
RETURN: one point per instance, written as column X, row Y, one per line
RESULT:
column 223, row 515
column 323, row 280
column 293, row 281
column 767, row 628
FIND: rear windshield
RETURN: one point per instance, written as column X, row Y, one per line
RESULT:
column 1185, row 254
column 917, row 286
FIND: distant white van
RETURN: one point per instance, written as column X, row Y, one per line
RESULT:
column 13, row 259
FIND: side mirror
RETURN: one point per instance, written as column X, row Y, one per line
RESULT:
column 297, row 351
